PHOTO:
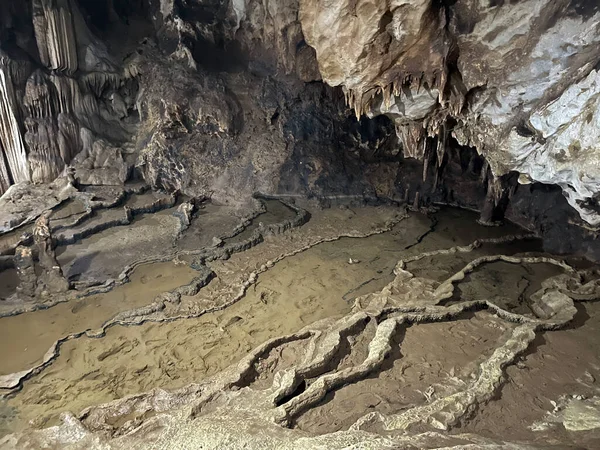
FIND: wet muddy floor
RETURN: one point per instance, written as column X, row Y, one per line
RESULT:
column 560, row 363
column 314, row 284
column 25, row 338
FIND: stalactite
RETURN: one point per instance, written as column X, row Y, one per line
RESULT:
column 458, row 93
column 484, row 172
column 68, row 92
column 10, row 132
column 413, row 139
column 40, row 26
column 72, row 100
column 38, row 98
column 52, row 135
column 441, row 144
column 442, row 80
column 55, row 34
column 396, row 87
column 387, row 96
column 97, row 82
column 499, row 193
column 44, row 155
column 420, row 82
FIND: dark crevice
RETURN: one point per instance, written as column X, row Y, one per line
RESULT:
column 434, row 222
column 286, row 398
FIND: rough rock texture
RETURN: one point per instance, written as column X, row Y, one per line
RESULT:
column 59, row 85
column 486, row 104
column 223, row 99
column 516, row 80
column 213, row 101
column 254, row 405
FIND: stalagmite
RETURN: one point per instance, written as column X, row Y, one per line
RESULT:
column 44, row 154
column 416, row 202
column 51, row 279
column 25, row 270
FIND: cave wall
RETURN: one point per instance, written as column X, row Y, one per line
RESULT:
column 212, row 98
column 460, row 101
column 516, row 80
column 62, row 94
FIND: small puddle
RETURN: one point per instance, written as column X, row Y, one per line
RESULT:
column 276, row 212
column 9, row 281
column 297, row 291
column 67, row 213
column 25, row 338
column 509, row 286
column 8, row 241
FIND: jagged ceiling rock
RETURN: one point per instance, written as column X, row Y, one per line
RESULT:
column 223, row 35
column 274, row 25
column 369, row 47
column 565, row 147
column 530, row 67
column 523, row 69
column 486, row 72
column 414, row 104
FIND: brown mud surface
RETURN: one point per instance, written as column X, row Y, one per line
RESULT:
column 428, row 359
column 560, row 363
column 25, row 338
column 312, row 285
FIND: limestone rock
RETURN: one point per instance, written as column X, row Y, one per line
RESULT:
column 22, row 203
column 11, row 140
column 55, row 34
column 372, row 47
column 531, row 67
column 101, row 165
column 26, row 271
column 524, row 70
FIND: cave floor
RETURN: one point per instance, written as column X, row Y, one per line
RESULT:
column 322, row 329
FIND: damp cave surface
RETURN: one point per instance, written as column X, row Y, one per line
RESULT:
column 311, row 283
column 299, row 224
